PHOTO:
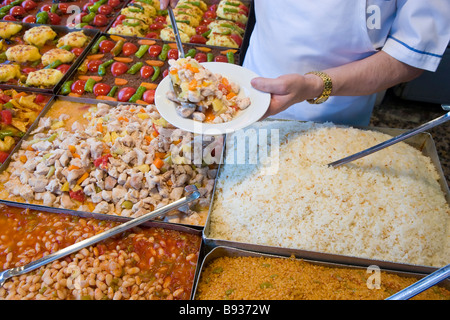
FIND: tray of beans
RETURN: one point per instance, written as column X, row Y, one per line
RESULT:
column 228, row 273
column 128, row 69
column 18, row 111
column 40, row 57
column 215, row 23
column 151, row 262
column 74, row 14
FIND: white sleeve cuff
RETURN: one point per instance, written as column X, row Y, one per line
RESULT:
column 411, row 56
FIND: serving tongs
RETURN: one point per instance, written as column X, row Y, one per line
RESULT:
column 422, row 285
column 192, row 194
column 176, row 88
column 394, row 140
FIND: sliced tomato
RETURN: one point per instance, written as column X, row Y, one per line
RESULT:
column 6, row 116
column 237, row 38
column 3, row 156
column 77, row 195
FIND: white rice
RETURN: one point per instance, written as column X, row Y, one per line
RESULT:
column 386, row 206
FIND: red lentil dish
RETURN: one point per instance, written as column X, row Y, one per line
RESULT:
column 265, row 278
column 141, row 264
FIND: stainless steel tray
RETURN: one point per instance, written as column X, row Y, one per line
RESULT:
column 84, row 214
column 60, row 30
column 224, row 251
column 422, row 142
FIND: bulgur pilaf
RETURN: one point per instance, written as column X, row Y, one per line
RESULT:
column 265, row 278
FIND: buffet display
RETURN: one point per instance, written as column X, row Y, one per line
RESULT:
column 84, row 148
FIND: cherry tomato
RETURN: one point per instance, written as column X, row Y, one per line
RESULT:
column 3, row 156
column 149, row 96
column 221, row 58
column 100, row 20
column 129, row 48
column 53, row 18
column 29, row 5
column 9, row 17
column 161, row 19
column 165, row 73
column 209, row 15
column 119, row 20
column 106, row 46
column 17, row 11
column 29, row 19
column 237, row 38
column 157, row 26
column 105, row 9
column 201, row 57
column 125, row 94
column 154, row 50
column 63, row 7
column 27, row 70
column 213, row 8
column 244, row 9
column 46, row 7
column 4, row 98
column 147, row 72
column 206, row 22
column 118, row 68
column 201, row 29
column 93, row 65
column 172, row 54
column 197, row 38
column 101, row 89
column 64, row 68
column 7, row 2
column 152, row 35
column 77, row 195
column 114, row 3
column 86, row 6
column 78, row 86
column 77, row 51
column 6, row 116
column 40, row 98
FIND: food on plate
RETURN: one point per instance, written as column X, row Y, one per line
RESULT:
column 44, row 78
column 39, row 56
column 273, row 278
column 145, row 263
column 204, row 96
column 23, row 53
column 18, row 111
column 53, row 55
column 128, row 30
column 127, row 69
column 38, row 36
column 123, row 160
column 387, row 206
column 8, row 29
column 233, row 10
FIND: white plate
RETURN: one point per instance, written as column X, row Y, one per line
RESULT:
column 259, row 102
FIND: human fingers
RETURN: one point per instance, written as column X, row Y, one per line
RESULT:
column 165, row 3
column 275, row 86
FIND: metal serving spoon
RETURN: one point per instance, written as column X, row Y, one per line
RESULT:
column 192, row 194
column 422, row 285
column 394, row 140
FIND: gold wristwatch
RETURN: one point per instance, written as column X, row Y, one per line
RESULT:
column 327, row 87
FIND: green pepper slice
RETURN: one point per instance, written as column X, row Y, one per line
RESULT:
column 97, row 44
column 54, row 64
column 142, row 50
column 156, row 73
column 135, row 68
column 117, row 48
column 89, row 86
column 138, row 95
column 66, row 87
column 102, row 67
column 165, row 50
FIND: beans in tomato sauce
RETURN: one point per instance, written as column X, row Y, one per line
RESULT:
column 142, row 263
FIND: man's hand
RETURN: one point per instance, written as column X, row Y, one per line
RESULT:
column 166, row 3
column 287, row 90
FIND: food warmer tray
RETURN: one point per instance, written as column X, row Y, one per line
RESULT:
column 224, row 251
column 61, row 31
column 83, row 214
column 423, row 142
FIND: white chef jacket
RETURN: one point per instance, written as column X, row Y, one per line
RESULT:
column 298, row 36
